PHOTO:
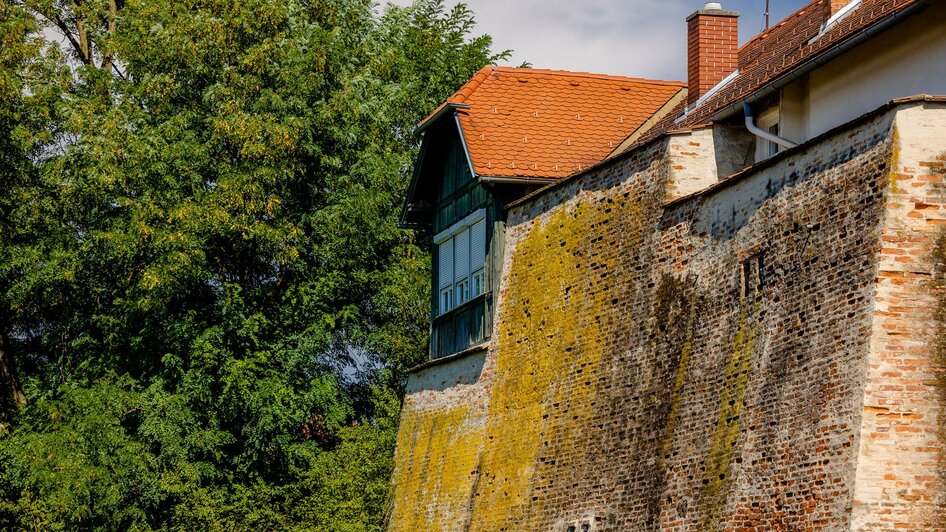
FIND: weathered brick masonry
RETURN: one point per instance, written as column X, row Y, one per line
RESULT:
column 900, row 471
column 756, row 356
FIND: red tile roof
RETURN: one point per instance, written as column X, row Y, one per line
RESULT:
column 773, row 54
column 788, row 45
column 524, row 122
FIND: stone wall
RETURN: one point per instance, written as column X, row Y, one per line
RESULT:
column 694, row 365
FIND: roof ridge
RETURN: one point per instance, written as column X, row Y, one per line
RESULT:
column 474, row 83
column 570, row 73
column 762, row 34
column 467, row 89
column 463, row 92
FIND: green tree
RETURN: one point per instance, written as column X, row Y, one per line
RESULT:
column 206, row 308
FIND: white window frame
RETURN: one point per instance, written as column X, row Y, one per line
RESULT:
column 478, row 283
column 446, row 298
column 462, row 291
column 463, row 288
column 767, row 120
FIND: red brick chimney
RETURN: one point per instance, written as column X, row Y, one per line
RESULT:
column 833, row 6
column 712, row 48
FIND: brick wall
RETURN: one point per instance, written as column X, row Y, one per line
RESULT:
column 716, row 362
column 833, row 6
column 900, row 469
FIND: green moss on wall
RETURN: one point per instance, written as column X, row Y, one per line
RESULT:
column 938, row 256
column 675, row 319
column 729, row 421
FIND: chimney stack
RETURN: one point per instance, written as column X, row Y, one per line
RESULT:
column 833, row 6
column 712, row 48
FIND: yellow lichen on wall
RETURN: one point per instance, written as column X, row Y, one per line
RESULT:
column 436, row 474
column 550, row 346
column 676, row 308
column 465, row 467
column 729, row 422
column 938, row 356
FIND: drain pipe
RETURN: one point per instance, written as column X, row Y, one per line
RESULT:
column 761, row 133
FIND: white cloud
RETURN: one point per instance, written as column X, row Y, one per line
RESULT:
column 643, row 38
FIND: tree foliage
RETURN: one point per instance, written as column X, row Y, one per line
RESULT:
column 206, row 308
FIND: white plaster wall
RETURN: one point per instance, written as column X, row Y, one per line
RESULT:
column 906, row 60
column 691, row 159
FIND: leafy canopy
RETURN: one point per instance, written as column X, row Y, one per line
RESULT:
column 206, row 309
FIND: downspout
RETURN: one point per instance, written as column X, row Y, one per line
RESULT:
column 761, row 133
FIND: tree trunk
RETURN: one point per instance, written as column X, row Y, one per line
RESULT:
column 8, row 374
column 85, row 49
column 107, row 62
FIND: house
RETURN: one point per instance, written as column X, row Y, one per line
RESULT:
column 506, row 132
column 728, row 316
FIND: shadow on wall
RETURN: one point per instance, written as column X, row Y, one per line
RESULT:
column 721, row 215
column 445, row 374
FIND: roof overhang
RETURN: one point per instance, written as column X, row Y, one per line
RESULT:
column 411, row 206
column 408, row 207
column 442, row 111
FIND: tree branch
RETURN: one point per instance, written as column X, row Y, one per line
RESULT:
column 119, row 72
column 8, row 374
column 107, row 61
column 56, row 20
column 76, row 45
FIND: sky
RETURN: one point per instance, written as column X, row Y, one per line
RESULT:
column 639, row 38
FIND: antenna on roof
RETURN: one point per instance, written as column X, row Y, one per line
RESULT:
column 765, row 16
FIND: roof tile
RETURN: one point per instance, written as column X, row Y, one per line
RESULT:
column 551, row 123
column 789, row 44
column 772, row 54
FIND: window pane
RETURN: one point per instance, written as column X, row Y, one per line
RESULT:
column 446, row 300
column 462, row 294
column 773, row 147
column 479, row 283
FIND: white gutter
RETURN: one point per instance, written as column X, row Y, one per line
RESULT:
column 824, row 57
column 761, row 133
column 515, row 180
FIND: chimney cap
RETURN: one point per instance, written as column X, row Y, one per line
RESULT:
column 713, row 9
